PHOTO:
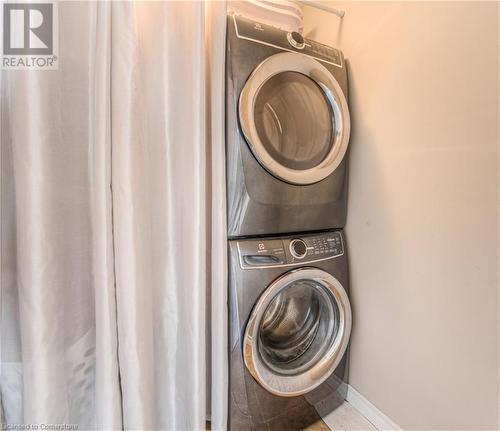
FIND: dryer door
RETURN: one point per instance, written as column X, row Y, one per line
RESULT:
column 295, row 118
column 297, row 332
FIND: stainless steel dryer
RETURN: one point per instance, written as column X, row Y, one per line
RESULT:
column 287, row 131
column 290, row 322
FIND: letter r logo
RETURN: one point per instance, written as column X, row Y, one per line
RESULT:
column 27, row 29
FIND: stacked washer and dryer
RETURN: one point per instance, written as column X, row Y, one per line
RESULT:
column 287, row 132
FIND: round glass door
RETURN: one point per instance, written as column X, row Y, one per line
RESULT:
column 295, row 118
column 294, row 121
column 298, row 332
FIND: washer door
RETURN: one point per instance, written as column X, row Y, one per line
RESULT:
column 295, row 118
column 297, row 332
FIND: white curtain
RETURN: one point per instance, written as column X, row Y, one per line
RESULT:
column 58, row 333
column 112, row 232
column 162, row 143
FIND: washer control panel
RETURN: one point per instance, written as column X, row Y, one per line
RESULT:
column 293, row 41
column 263, row 253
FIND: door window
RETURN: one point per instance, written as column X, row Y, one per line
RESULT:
column 294, row 120
column 297, row 332
column 297, row 327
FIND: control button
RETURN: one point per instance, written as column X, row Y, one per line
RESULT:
column 298, row 248
column 296, row 40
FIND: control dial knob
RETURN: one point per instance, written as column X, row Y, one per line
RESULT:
column 298, row 248
column 296, row 40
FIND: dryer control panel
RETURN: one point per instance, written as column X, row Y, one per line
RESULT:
column 298, row 250
column 273, row 36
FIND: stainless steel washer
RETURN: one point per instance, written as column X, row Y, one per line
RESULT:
column 287, row 131
column 289, row 329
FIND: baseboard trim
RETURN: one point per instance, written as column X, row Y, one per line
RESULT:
column 370, row 412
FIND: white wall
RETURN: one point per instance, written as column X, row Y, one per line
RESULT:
column 423, row 207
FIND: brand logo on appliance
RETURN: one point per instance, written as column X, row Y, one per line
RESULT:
column 29, row 36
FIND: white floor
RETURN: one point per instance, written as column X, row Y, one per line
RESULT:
column 347, row 418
